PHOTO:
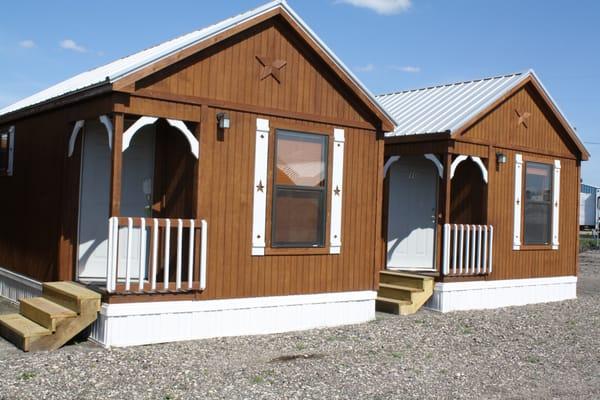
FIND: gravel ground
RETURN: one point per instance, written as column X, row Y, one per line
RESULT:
column 546, row 351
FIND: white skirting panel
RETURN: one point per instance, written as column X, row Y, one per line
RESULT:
column 15, row 286
column 134, row 324
column 476, row 295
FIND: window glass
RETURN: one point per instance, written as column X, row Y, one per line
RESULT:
column 3, row 152
column 300, row 159
column 538, row 203
column 299, row 190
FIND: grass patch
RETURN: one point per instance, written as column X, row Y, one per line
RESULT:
column 466, row 329
column 588, row 243
column 397, row 354
column 300, row 346
column 27, row 375
column 533, row 359
column 258, row 379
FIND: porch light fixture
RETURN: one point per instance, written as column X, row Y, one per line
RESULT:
column 501, row 158
column 223, row 120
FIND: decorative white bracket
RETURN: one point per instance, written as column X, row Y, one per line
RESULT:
column 431, row 157
column 194, row 145
column 175, row 123
column 389, row 163
column 132, row 130
column 438, row 164
column 109, row 128
column 476, row 160
column 73, row 139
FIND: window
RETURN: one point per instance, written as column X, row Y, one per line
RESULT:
column 538, row 204
column 6, row 149
column 299, row 190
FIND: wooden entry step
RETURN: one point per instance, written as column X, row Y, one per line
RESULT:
column 403, row 293
column 48, row 322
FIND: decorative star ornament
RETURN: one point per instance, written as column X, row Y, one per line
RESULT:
column 522, row 117
column 271, row 67
column 260, row 187
column 337, row 190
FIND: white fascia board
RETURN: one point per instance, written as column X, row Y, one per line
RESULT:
column 186, row 306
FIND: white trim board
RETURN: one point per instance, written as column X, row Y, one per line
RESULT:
column 134, row 324
column 14, row 286
column 477, row 295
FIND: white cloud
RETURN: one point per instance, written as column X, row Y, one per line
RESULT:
column 70, row 44
column 366, row 68
column 27, row 44
column 385, row 7
column 407, row 68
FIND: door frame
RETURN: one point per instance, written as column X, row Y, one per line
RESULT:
column 393, row 160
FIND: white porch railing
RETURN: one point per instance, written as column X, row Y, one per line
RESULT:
column 134, row 245
column 468, row 249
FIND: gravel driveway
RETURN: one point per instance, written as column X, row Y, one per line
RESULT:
column 544, row 351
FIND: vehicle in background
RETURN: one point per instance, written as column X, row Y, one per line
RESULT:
column 589, row 207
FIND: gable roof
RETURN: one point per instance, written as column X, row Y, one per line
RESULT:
column 452, row 107
column 117, row 70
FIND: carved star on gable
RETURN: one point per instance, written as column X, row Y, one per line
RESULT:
column 523, row 116
column 271, row 67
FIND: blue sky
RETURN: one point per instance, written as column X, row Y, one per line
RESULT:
column 390, row 44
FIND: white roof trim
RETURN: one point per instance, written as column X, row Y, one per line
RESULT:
column 118, row 69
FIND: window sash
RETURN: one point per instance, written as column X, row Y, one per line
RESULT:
column 4, row 152
column 531, row 219
column 321, row 189
column 321, row 226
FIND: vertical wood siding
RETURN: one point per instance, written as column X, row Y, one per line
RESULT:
column 543, row 135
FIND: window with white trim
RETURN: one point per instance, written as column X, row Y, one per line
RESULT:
column 537, row 204
column 6, row 151
column 299, row 209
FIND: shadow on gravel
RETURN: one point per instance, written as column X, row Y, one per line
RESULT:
column 292, row 357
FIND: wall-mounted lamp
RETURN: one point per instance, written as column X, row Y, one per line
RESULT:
column 501, row 158
column 223, row 120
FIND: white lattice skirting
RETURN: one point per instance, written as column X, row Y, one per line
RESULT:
column 14, row 286
column 455, row 296
column 134, row 324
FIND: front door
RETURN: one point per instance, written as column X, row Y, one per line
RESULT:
column 412, row 211
column 136, row 189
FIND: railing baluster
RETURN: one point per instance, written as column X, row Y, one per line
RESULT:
column 115, row 255
column 154, row 252
column 462, row 247
column 454, row 248
column 109, row 255
column 128, row 254
column 473, row 247
column 491, row 248
column 466, row 249
column 191, row 256
column 179, row 254
column 485, row 250
column 203, row 254
column 479, row 228
column 142, row 269
column 445, row 250
column 167, row 254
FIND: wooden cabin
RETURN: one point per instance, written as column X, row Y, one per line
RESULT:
column 226, row 182
column 482, row 191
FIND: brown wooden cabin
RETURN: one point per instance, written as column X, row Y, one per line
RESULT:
column 247, row 152
column 482, row 183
